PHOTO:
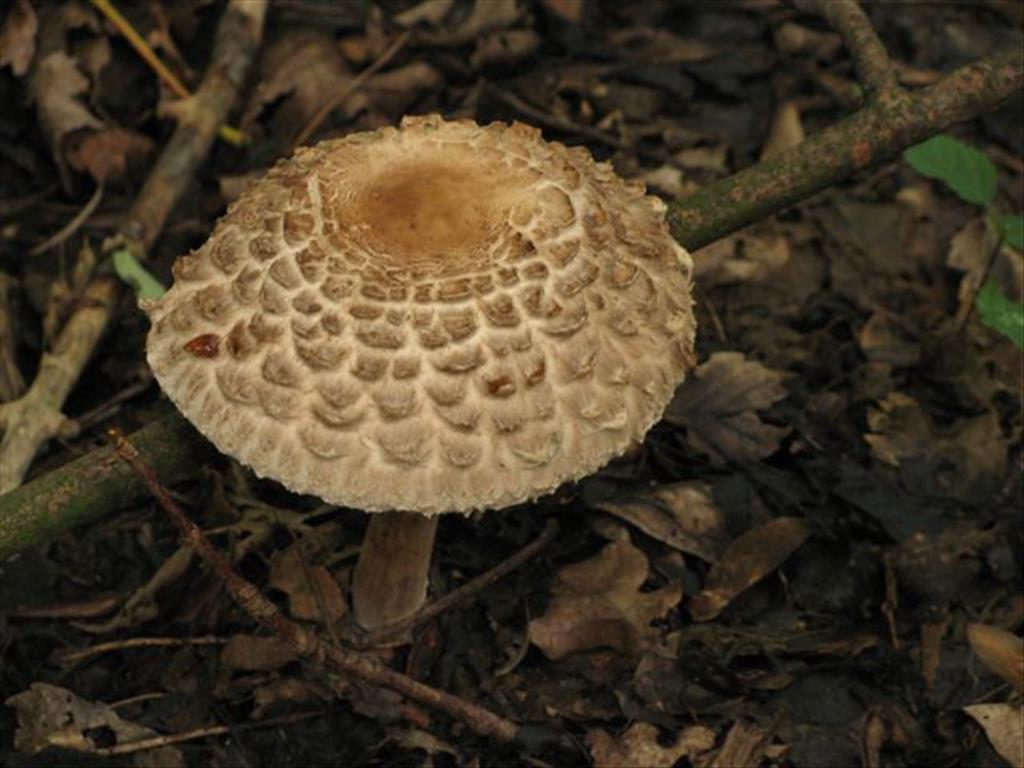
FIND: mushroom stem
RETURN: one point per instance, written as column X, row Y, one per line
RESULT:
column 390, row 580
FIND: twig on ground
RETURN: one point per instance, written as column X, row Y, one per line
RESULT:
column 870, row 59
column 72, row 226
column 32, row 420
column 540, row 117
column 305, row 643
column 353, row 85
column 71, row 657
column 89, row 487
column 465, row 592
column 861, row 141
column 148, row 55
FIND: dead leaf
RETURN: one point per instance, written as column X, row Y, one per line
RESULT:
column 18, row 38
column 56, row 87
column 486, row 16
column 313, row 593
column 281, row 692
column 931, row 649
column 1004, row 727
column 391, row 93
column 884, row 341
column 1000, row 651
column 965, row 459
column 299, row 72
column 49, row 716
column 429, row 12
column 754, row 254
column 107, row 154
column 570, row 11
column 505, row 47
column 792, row 38
column 718, row 407
column 256, row 653
column 745, row 746
column 712, row 157
column 598, row 602
column 681, row 515
column 638, row 747
column 971, row 251
column 747, row 560
column 786, row 130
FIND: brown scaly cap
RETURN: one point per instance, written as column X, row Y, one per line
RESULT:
column 437, row 318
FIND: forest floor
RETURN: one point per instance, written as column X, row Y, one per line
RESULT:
column 815, row 559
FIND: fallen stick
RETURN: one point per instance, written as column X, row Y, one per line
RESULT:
column 304, row 642
column 30, row 421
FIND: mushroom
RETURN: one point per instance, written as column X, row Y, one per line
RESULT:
column 441, row 317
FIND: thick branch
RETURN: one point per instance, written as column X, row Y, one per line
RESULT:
column 861, row 141
column 35, row 418
column 870, row 58
column 91, row 486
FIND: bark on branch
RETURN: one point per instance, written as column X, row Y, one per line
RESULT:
column 861, row 141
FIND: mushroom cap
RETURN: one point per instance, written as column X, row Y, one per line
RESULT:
column 441, row 317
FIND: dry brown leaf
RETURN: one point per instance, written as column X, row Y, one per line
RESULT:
column 745, row 746
column 884, row 341
column 56, row 87
column 391, row 93
column 1000, row 651
column 747, row 560
column 570, row 11
column 718, row 406
column 313, row 594
column 256, row 653
column 755, row 254
column 107, row 154
column 281, row 692
column 970, row 252
column 299, row 72
column 18, row 37
column 1004, row 727
column 964, row 460
column 429, row 12
column 598, row 602
column 786, row 130
column 49, row 716
column 638, row 747
column 505, row 47
column 931, row 649
column 682, row 515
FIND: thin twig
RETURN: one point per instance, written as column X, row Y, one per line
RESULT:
column 156, row 742
column 870, row 59
column 70, row 657
column 353, row 85
column 148, row 55
column 36, row 417
column 465, row 592
column 305, row 643
column 541, row 117
column 72, row 226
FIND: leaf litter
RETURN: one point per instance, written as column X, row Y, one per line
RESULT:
column 791, row 570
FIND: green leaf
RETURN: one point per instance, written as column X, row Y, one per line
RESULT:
column 1001, row 314
column 1012, row 229
column 128, row 269
column 967, row 171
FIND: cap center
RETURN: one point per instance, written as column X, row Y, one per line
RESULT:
column 440, row 216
